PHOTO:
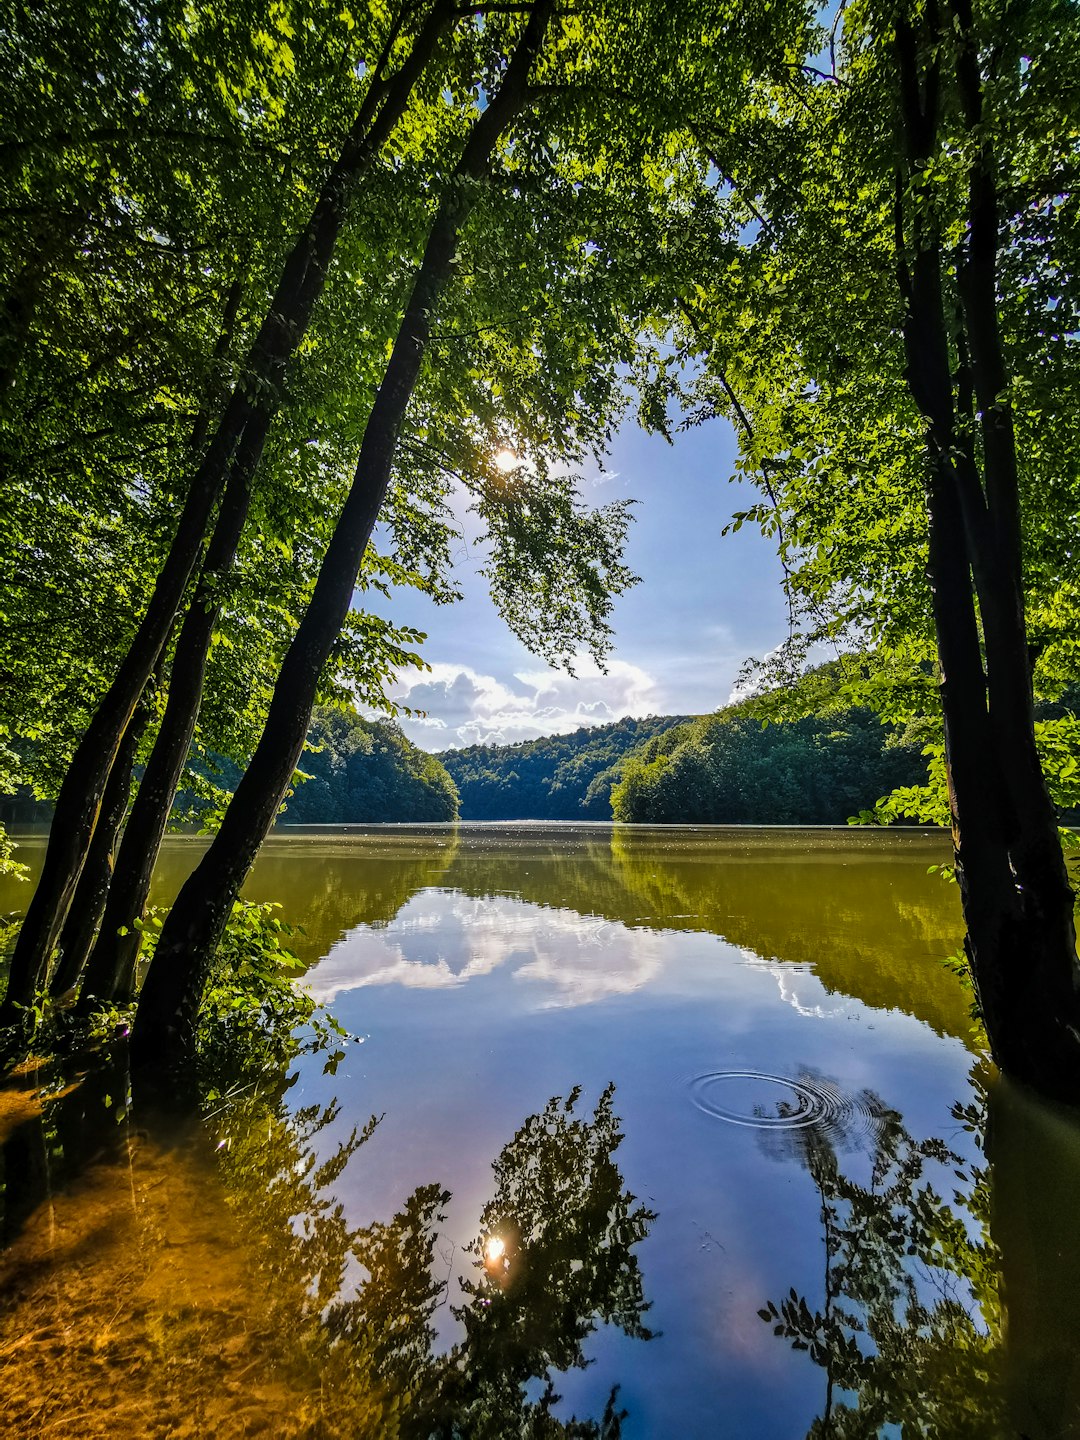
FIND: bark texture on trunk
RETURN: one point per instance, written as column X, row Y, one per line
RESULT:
column 110, row 973
column 77, row 936
column 234, row 451
column 1017, row 901
column 164, row 1034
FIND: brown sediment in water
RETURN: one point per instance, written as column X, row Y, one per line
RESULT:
column 20, row 1097
column 129, row 1306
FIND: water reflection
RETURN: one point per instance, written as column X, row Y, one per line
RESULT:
column 442, row 940
column 1033, row 1152
column 859, row 911
column 326, row 1328
column 775, row 1102
column 787, row 1048
column 908, row 1326
column 855, row 908
column 565, row 1228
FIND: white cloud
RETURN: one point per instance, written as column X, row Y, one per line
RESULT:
column 464, row 707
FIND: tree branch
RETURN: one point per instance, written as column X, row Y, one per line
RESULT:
column 119, row 134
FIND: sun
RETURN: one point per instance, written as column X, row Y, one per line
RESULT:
column 494, row 1249
column 506, row 461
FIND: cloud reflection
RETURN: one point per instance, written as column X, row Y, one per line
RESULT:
column 576, row 959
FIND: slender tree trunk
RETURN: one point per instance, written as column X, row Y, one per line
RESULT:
column 234, row 451
column 95, row 879
column 1039, row 1040
column 110, row 974
column 82, row 920
column 164, row 1034
column 1018, row 906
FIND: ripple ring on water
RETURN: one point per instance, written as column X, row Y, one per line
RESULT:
column 805, row 1102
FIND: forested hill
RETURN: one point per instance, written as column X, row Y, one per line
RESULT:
column 363, row 771
column 726, row 768
column 730, row 769
column 558, row 777
column 358, row 772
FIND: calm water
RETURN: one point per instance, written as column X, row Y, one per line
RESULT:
column 810, row 1144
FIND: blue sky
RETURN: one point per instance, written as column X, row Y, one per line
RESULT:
column 705, row 602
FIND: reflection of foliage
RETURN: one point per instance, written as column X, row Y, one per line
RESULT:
column 569, row 1226
column 335, row 885
column 563, row 1228
column 303, row 1243
column 858, row 909
column 911, row 1322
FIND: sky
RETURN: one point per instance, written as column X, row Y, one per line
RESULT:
column 704, row 603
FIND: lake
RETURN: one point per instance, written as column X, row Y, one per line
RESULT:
column 781, row 1191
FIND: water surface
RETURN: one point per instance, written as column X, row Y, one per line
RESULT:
column 822, row 1200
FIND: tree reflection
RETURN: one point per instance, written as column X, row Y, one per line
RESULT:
column 552, row 1259
column 565, row 1225
column 296, row 1319
column 910, row 1327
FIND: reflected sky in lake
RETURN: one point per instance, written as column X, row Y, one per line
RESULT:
column 475, row 1007
column 800, row 1095
column 441, row 939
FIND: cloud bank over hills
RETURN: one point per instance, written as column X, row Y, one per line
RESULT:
column 466, row 707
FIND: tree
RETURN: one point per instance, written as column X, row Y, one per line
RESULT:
column 546, row 365
column 224, row 472
column 553, row 567
column 172, row 992
column 888, row 343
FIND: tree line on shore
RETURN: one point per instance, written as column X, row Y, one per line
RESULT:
column 726, row 768
column 279, row 287
column 722, row 769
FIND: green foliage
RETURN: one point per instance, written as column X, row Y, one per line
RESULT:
column 366, row 771
column 1057, row 738
column 253, row 1006
column 160, row 165
column 252, row 982
column 8, row 864
column 154, row 161
column 735, row 768
column 558, row 777
column 797, row 335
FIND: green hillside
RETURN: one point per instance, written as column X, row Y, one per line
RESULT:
column 358, row 772
column 730, row 769
column 364, row 771
column 558, row 777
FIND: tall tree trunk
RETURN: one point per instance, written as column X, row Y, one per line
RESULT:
column 1018, row 906
column 1039, row 1040
column 77, row 936
column 164, row 1034
column 95, row 879
column 234, row 451
column 110, row 974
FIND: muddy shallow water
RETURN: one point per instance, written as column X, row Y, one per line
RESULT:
column 806, row 1201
